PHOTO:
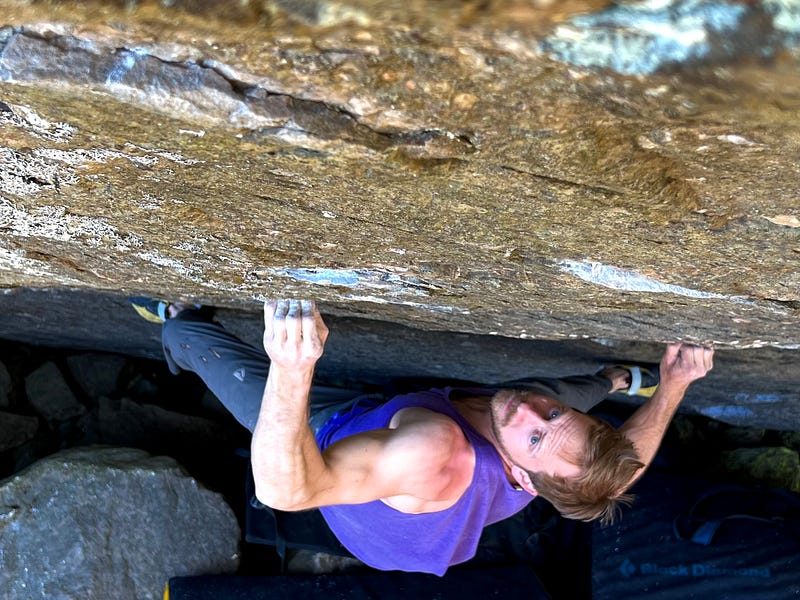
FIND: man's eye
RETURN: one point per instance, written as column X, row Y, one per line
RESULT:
column 534, row 439
column 554, row 413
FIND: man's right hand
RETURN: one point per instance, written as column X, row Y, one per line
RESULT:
column 680, row 366
column 683, row 363
column 294, row 333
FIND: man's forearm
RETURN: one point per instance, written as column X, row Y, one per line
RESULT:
column 680, row 366
column 285, row 456
column 647, row 426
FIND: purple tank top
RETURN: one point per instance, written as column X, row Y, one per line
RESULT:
column 387, row 539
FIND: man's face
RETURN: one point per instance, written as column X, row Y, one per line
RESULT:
column 539, row 434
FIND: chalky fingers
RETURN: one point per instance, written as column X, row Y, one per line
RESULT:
column 308, row 321
column 293, row 323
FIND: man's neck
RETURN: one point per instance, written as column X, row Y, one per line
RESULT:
column 476, row 411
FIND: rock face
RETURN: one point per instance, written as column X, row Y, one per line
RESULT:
column 442, row 166
column 109, row 523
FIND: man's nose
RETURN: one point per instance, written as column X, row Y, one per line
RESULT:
column 535, row 412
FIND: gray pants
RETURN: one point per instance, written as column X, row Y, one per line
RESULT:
column 236, row 373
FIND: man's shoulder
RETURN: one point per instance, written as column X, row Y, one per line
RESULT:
column 426, row 437
column 425, row 420
column 434, row 457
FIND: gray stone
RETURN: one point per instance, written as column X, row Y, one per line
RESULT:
column 96, row 373
column 15, row 430
column 109, row 523
column 125, row 422
column 50, row 395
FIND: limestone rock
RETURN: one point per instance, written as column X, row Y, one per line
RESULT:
column 109, row 523
column 772, row 467
column 50, row 395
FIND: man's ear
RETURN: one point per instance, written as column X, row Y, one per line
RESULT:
column 524, row 480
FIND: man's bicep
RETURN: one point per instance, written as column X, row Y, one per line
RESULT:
column 382, row 463
column 359, row 468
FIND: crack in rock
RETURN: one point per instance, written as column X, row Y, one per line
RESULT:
column 205, row 89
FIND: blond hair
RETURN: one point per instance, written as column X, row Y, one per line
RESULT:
column 608, row 465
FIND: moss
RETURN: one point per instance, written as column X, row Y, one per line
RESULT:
column 772, row 467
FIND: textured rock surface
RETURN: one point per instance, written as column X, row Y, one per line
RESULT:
column 109, row 523
column 423, row 164
column 772, row 467
column 50, row 395
column 97, row 375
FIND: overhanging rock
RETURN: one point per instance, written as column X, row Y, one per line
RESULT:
column 423, row 165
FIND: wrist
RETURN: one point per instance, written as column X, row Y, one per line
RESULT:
column 291, row 376
column 672, row 388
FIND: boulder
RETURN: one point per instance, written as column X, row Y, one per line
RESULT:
column 125, row 422
column 96, row 373
column 49, row 394
column 109, row 523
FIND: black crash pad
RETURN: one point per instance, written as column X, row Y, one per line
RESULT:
column 509, row 583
